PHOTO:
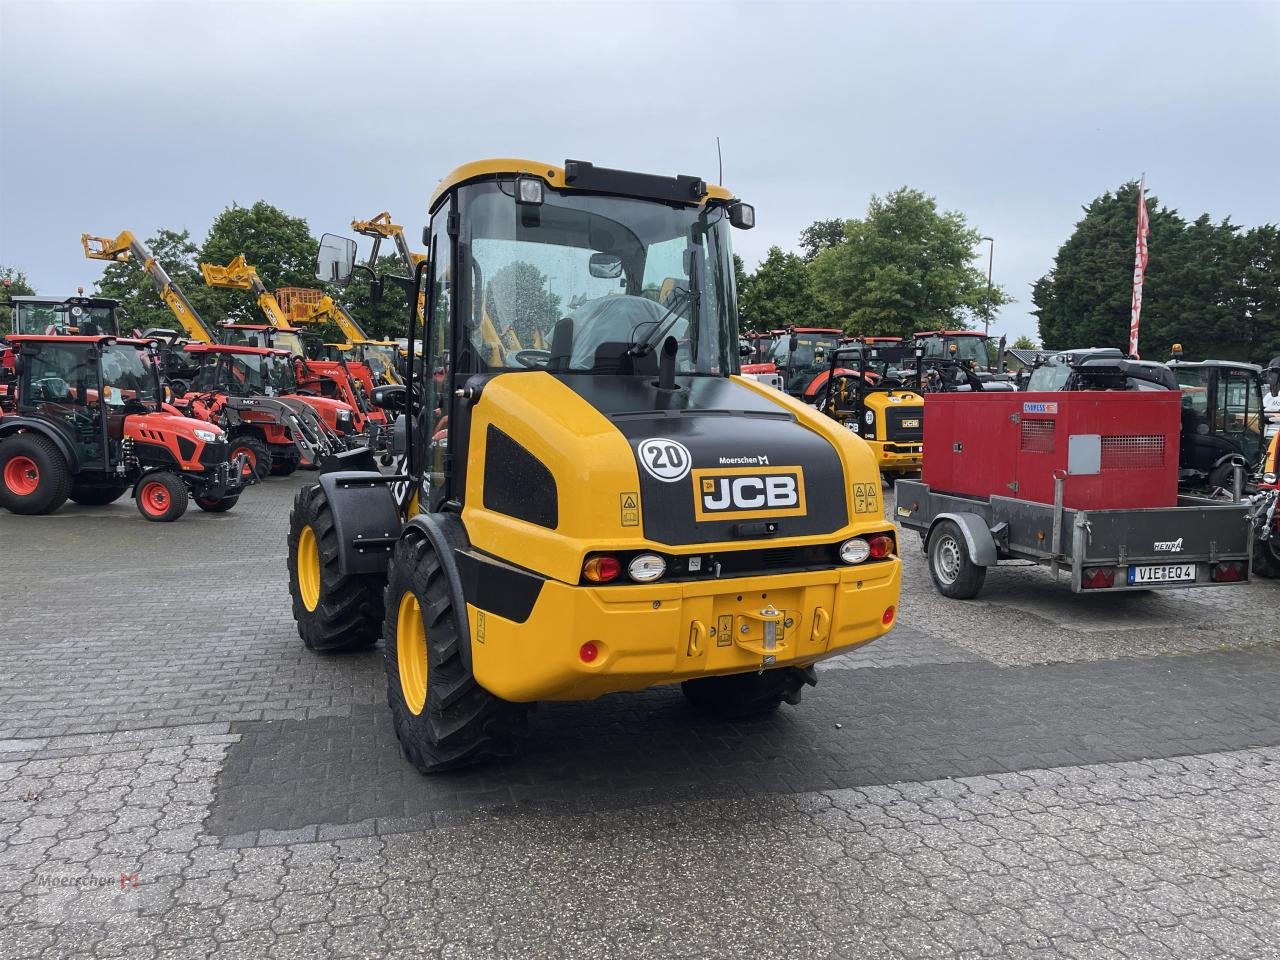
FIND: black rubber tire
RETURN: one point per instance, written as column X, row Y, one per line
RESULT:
column 283, row 466
column 890, row 479
column 348, row 615
column 96, row 496
column 461, row 723
column 1266, row 558
column 1223, row 476
column 54, row 484
column 176, row 496
column 967, row 578
column 741, row 695
column 259, row 450
column 180, row 388
column 211, row 505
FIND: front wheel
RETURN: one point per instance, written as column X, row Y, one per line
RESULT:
column 952, row 568
column 162, row 497
column 444, row 719
column 741, row 695
column 334, row 612
column 257, row 456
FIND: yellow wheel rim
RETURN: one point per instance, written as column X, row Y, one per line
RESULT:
column 309, row 568
column 411, row 653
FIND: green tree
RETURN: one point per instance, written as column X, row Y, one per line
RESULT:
column 280, row 247
column 389, row 317
column 741, row 279
column 902, row 268
column 1024, row 343
column 128, row 282
column 1208, row 286
column 13, row 283
column 518, row 298
column 778, row 293
column 820, row 235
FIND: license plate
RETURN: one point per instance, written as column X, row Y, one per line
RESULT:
column 1167, row 573
column 910, row 424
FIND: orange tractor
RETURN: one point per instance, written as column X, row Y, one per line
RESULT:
column 85, row 418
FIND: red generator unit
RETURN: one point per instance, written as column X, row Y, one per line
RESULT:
column 1114, row 450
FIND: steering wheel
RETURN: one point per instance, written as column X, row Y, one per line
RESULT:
column 533, row 359
column 53, row 389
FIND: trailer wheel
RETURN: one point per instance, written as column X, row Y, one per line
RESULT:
column 443, row 718
column 161, row 496
column 96, row 495
column 334, row 612
column 741, row 695
column 33, row 475
column 257, row 455
column 952, row 568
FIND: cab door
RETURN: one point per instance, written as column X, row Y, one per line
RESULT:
column 61, row 384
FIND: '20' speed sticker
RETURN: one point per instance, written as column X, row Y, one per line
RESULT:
column 665, row 460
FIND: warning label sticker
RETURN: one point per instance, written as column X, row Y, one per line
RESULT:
column 866, row 498
column 630, row 509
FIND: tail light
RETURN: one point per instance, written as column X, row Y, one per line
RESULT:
column 1229, row 571
column 881, row 546
column 601, row 568
column 1096, row 578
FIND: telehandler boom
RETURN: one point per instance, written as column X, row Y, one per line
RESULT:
column 126, row 246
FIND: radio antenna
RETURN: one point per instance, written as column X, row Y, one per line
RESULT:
column 720, row 162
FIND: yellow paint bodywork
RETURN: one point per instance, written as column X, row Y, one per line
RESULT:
column 552, row 174
column 650, row 633
column 895, row 456
column 126, row 246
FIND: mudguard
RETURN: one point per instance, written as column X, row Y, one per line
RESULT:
column 13, row 424
column 977, row 536
column 448, row 537
column 365, row 519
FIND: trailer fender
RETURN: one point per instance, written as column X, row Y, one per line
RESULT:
column 365, row 519
column 977, row 536
column 448, row 538
column 16, row 424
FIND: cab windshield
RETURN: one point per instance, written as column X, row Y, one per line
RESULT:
column 250, row 374
column 128, row 373
column 805, row 354
column 972, row 349
column 381, row 361
column 592, row 284
column 62, row 319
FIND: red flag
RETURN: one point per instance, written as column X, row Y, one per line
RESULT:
column 1139, row 267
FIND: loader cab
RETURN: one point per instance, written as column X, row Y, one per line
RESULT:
column 800, row 354
column 69, row 316
column 243, row 371
column 261, row 335
column 959, row 360
column 1222, row 417
column 84, row 388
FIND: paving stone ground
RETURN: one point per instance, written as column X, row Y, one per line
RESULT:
column 1031, row 774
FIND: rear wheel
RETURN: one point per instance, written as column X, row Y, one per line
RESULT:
column 444, row 719
column 335, row 612
column 257, row 455
column 214, row 505
column 34, row 477
column 742, row 695
column 952, row 568
column 162, row 497
column 1266, row 557
column 91, row 495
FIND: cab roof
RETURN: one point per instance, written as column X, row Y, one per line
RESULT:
column 235, row 348
column 581, row 175
column 1221, row 364
column 54, row 338
column 952, row 333
column 815, row 330
column 259, row 326
column 76, row 301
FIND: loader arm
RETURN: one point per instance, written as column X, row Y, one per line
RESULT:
column 126, row 247
column 239, row 274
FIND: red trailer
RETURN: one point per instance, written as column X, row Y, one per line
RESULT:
column 1086, row 481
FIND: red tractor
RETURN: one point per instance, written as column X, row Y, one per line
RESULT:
column 85, row 419
column 252, row 393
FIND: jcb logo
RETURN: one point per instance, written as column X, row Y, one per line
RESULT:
column 748, row 493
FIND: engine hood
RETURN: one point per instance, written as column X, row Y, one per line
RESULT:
column 170, row 423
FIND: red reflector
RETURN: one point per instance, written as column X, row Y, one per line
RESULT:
column 1094, row 578
column 889, row 614
column 1230, row 572
column 588, row 652
column 601, row 569
column 881, row 547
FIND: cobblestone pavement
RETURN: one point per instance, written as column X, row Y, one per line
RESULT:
column 1031, row 774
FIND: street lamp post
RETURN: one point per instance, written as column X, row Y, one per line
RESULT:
column 991, row 257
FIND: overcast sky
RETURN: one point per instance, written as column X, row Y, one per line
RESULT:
column 139, row 116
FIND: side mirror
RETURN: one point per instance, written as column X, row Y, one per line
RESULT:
column 394, row 397
column 793, row 343
column 605, row 266
column 742, row 215
column 1273, row 381
column 336, row 259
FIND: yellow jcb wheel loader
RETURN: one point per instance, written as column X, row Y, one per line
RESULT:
column 616, row 510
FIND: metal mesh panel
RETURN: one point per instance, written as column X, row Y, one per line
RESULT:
column 1132, row 453
column 287, row 297
column 1037, row 436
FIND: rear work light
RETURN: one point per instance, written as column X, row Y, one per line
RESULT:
column 1096, row 578
column 646, row 568
column 1229, row 571
column 601, row 569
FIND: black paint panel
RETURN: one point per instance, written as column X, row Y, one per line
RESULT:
column 499, row 588
column 517, row 483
